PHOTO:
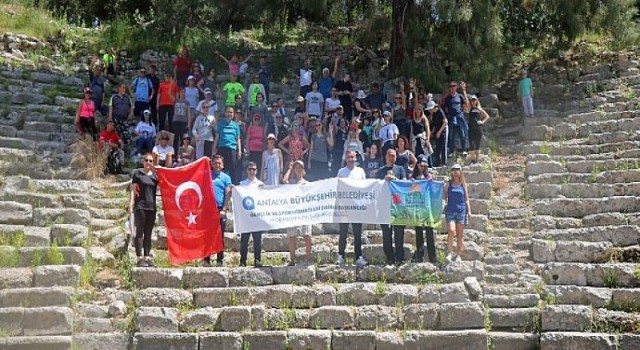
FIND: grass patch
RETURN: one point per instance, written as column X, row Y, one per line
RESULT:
column 88, row 273
column 124, row 267
column 429, row 278
column 16, row 17
column 54, row 255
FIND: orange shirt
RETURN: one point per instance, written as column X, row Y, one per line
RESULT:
column 167, row 93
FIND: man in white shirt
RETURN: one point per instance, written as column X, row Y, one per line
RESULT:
column 209, row 101
column 351, row 171
column 306, row 77
column 251, row 180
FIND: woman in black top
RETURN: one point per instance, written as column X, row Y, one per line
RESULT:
column 142, row 204
column 477, row 118
column 421, row 172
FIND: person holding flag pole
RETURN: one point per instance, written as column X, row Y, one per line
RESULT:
column 222, row 189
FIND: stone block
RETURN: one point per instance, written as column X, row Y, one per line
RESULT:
column 250, row 277
column 429, row 294
column 516, row 300
column 357, row 294
column 566, row 318
column 333, row 317
column 458, row 271
column 111, row 341
column 36, row 297
column 92, row 325
column 265, row 340
column 299, row 275
column 454, row 293
column 200, row 320
column 235, row 318
column 515, row 320
column 92, row 310
column 156, row 320
column 574, row 340
column 48, row 321
column 325, row 295
column 438, row 340
column 420, row 316
column 376, row 317
column 626, row 298
column 348, row 340
column 389, row 341
column 48, row 216
column 629, row 341
column 157, row 277
column 164, row 297
column 514, row 341
column 397, row 295
column 596, row 297
column 37, row 343
column 200, row 277
column 576, row 251
column 305, row 339
column 15, row 213
column 19, row 277
column 221, row 297
column 11, row 321
column 75, row 234
column 70, row 255
column 461, row 316
column 165, row 341
column 221, row 340
column 56, row 275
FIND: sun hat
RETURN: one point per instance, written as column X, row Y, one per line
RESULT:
column 300, row 99
column 271, row 137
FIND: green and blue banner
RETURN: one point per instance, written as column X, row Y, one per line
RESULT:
column 416, row 203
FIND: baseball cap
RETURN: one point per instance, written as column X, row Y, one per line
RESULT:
column 207, row 91
column 473, row 97
column 431, row 105
column 191, row 77
column 299, row 162
column 271, row 137
column 87, row 89
column 300, row 99
column 386, row 113
column 456, row 166
column 339, row 107
column 147, row 112
column 423, row 159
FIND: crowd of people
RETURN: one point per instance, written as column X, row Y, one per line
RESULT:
column 254, row 138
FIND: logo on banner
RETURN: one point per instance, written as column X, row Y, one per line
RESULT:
column 248, row 203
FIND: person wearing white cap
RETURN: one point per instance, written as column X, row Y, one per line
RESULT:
column 525, row 91
column 477, row 118
column 388, row 133
column 210, row 101
column 439, row 133
column 458, row 211
column 362, row 109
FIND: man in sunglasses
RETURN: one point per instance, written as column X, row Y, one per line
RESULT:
column 455, row 105
column 251, row 180
column 163, row 152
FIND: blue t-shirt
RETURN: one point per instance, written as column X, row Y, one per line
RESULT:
column 455, row 200
column 229, row 133
column 142, row 87
column 325, row 85
column 221, row 182
column 525, row 87
column 265, row 76
column 454, row 105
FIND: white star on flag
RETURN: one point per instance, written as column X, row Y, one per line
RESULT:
column 191, row 219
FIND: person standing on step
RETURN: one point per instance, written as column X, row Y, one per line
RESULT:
column 477, row 118
column 439, row 134
column 142, row 204
column 454, row 105
column 142, row 90
column 96, row 83
column 264, row 76
column 525, row 91
column 85, row 119
column 306, row 77
column 351, row 171
column 391, row 171
column 153, row 101
column 227, row 143
column 421, row 172
column 120, row 112
column 222, row 190
column 295, row 175
column 167, row 93
column 458, row 211
column 272, row 163
column 251, row 180
column 319, row 151
column 345, row 90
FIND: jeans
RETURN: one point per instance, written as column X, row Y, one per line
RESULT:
column 144, row 144
column 357, row 236
column 439, row 155
column 223, row 224
column 431, row 244
column 460, row 133
column 144, row 221
column 244, row 246
column 527, row 105
column 398, row 240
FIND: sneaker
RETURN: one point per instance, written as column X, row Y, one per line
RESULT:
column 219, row 264
column 243, row 264
column 292, row 263
column 150, row 262
column 257, row 264
column 464, row 154
column 340, row 260
column 206, row 263
column 142, row 263
column 361, row 262
column 458, row 258
column 449, row 257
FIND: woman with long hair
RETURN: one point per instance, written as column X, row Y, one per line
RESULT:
column 372, row 162
column 421, row 172
column 272, row 163
column 294, row 145
column 456, row 196
column 295, row 175
column 405, row 158
column 477, row 118
column 86, row 116
column 420, row 132
column 142, row 204
column 319, row 151
column 255, row 141
column 260, row 108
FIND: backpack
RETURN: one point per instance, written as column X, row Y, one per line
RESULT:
column 137, row 81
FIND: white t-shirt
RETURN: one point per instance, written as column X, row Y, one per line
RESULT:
column 305, row 77
column 315, row 102
column 355, row 173
column 213, row 106
column 247, row 182
column 146, row 130
column 162, row 152
column 331, row 103
column 388, row 132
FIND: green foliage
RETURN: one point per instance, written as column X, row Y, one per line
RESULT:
column 20, row 17
column 610, row 279
column 124, row 267
column 36, row 258
column 88, row 273
column 54, row 255
column 429, row 278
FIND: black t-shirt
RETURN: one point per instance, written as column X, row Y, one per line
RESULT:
column 437, row 120
column 147, row 186
column 371, row 165
column 474, row 118
column 396, row 170
column 345, row 100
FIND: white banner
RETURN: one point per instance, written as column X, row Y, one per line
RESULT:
column 325, row 201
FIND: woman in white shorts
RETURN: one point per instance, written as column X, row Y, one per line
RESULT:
column 295, row 175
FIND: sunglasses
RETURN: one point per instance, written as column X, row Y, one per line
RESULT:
column 256, row 119
column 149, row 160
column 376, row 112
column 165, row 138
column 398, row 98
column 252, row 169
column 453, row 86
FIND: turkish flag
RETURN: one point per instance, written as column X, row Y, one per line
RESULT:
column 190, row 212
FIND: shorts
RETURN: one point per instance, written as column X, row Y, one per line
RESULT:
column 304, row 230
column 458, row 218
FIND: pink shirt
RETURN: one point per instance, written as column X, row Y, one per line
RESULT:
column 234, row 68
column 88, row 109
column 256, row 138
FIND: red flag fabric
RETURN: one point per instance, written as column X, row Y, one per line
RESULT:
column 190, row 212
